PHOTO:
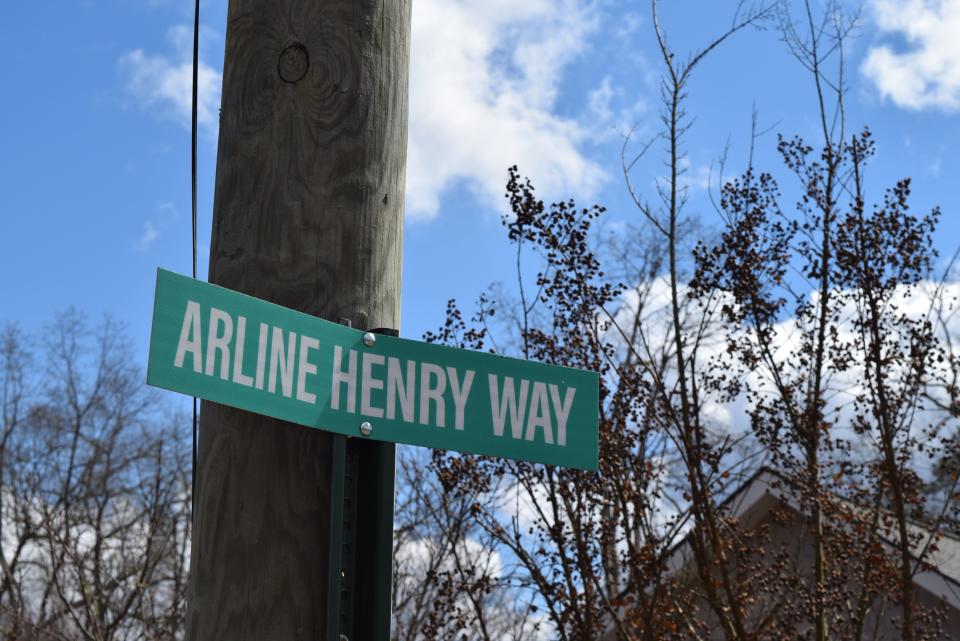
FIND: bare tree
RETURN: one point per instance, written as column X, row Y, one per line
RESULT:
column 838, row 403
column 449, row 577
column 792, row 313
column 96, row 492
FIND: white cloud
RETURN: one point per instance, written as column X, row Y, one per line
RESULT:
column 166, row 214
column 484, row 83
column 168, row 210
column 164, row 83
column 484, row 79
column 926, row 72
column 628, row 25
column 730, row 417
column 606, row 121
column 147, row 238
column 599, row 100
column 694, row 177
column 417, row 555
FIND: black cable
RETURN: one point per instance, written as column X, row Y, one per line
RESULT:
column 193, row 207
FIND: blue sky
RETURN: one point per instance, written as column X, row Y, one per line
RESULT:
column 94, row 167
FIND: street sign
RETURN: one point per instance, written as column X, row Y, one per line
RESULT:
column 241, row 351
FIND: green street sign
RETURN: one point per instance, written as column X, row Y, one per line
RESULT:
column 233, row 349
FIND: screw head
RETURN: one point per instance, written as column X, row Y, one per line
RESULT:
column 369, row 339
column 366, row 428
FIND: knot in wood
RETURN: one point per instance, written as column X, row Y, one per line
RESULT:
column 293, row 63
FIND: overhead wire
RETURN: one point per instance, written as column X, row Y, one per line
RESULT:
column 193, row 218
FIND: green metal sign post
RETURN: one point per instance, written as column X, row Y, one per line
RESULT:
column 233, row 349
column 363, row 472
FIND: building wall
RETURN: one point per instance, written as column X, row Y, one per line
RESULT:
column 789, row 602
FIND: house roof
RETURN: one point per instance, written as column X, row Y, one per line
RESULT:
column 765, row 490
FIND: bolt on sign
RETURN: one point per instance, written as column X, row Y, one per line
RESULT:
column 241, row 351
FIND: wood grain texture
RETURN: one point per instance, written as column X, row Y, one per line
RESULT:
column 308, row 213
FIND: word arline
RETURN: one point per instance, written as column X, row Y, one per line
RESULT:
column 286, row 363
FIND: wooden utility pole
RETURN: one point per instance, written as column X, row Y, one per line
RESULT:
column 308, row 214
